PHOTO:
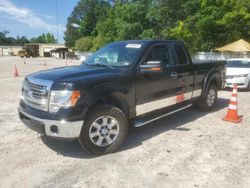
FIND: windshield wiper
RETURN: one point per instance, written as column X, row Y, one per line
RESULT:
column 99, row 64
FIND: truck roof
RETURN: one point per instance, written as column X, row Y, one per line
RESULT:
column 147, row 41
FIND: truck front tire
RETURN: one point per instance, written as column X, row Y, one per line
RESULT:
column 104, row 130
column 207, row 101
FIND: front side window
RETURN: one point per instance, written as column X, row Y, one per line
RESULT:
column 160, row 53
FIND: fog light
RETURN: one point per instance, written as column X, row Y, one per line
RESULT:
column 54, row 129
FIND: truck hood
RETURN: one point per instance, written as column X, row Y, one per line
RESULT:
column 67, row 74
column 237, row 71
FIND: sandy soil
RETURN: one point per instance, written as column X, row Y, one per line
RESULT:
column 187, row 149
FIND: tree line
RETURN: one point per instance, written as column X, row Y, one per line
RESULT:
column 201, row 24
column 44, row 38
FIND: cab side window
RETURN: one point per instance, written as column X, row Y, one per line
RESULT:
column 181, row 55
column 160, row 53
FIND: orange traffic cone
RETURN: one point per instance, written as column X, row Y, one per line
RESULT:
column 180, row 94
column 16, row 74
column 232, row 111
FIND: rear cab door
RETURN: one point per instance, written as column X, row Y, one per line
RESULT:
column 184, row 72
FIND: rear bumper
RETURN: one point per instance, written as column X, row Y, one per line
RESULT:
column 54, row 128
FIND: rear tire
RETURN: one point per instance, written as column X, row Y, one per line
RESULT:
column 206, row 102
column 104, row 130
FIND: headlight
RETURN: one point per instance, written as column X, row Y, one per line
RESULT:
column 62, row 98
column 241, row 76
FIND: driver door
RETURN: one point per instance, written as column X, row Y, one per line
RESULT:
column 156, row 90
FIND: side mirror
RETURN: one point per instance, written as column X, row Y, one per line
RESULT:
column 151, row 66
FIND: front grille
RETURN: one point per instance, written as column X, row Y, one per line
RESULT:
column 35, row 93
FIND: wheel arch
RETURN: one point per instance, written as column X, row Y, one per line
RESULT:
column 108, row 94
column 114, row 99
column 212, row 77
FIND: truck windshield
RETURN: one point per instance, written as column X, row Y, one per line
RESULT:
column 239, row 64
column 116, row 55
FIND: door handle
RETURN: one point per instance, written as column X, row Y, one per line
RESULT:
column 174, row 74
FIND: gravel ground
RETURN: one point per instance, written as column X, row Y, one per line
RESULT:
column 187, row 149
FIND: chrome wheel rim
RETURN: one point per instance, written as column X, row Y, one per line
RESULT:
column 211, row 97
column 104, row 131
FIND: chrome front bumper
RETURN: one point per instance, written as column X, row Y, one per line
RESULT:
column 54, row 128
column 241, row 82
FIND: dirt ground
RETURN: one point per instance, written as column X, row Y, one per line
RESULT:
column 187, row 149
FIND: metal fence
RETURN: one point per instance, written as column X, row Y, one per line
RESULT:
column 219, row 55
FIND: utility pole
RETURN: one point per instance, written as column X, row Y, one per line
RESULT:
column 57, row 34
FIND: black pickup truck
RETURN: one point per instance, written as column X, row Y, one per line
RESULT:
column 124, row 84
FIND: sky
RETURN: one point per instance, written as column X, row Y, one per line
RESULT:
column 31, row 18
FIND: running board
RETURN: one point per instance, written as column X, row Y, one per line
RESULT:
column 141, row 122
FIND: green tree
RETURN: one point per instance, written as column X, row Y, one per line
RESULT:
column 84, row 44
column 50, row 38
column 44, row 38
column 237, row 22
column 83, row 19
column 181, row 32
column 3, row 38
column 165, row 15
column 124, row 21
column 130, row 20
column 21, row 40
column 201, row 24
column 106, row 30
column 218, row 22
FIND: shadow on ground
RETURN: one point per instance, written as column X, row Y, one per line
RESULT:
column 137, row 135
